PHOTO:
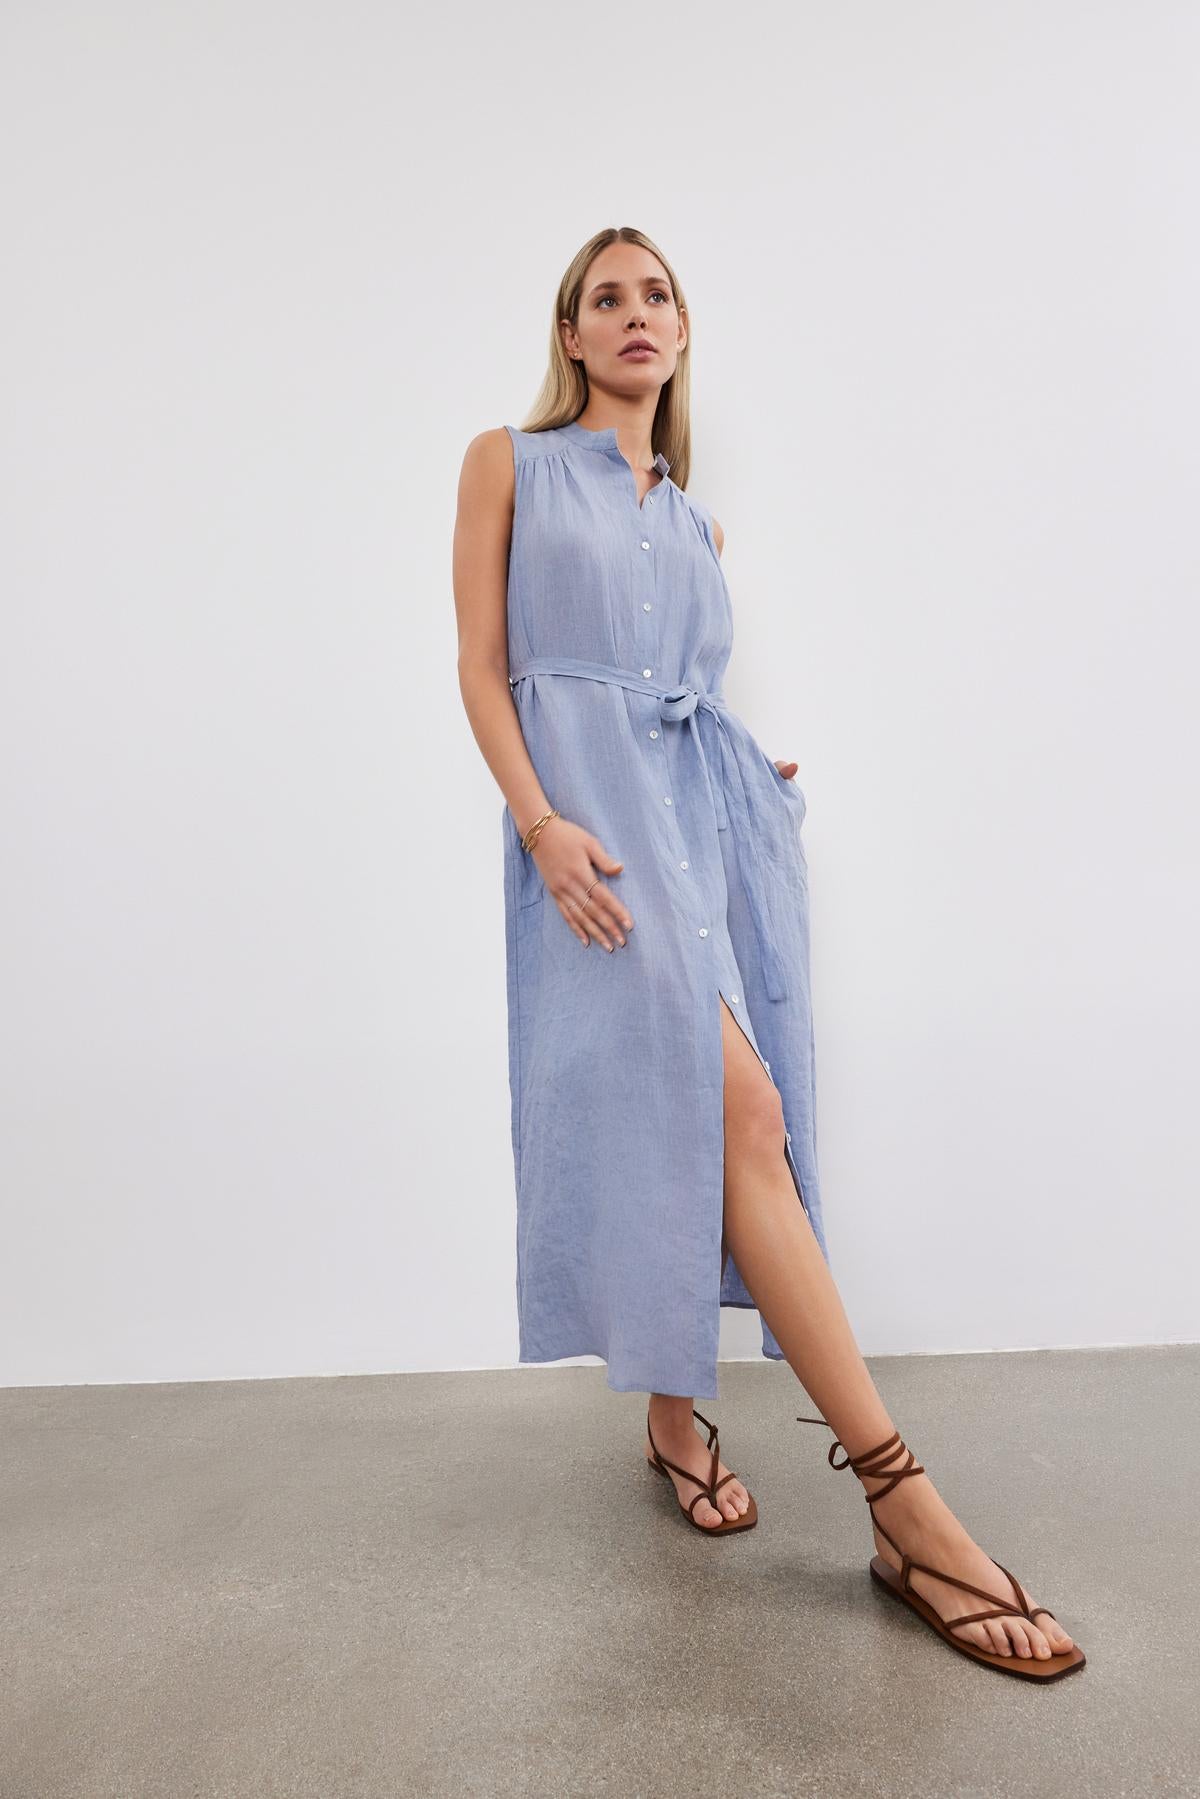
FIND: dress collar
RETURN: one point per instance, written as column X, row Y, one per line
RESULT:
column 606, row 442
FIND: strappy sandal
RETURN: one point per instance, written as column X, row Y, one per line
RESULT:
column 660, row 1465
column 896, row 1580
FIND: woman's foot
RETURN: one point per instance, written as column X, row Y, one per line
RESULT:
column 920, row 1520
column 678, row 1440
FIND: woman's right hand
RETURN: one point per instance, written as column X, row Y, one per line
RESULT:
column 568, row 859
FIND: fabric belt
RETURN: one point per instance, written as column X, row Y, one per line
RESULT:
column 722, row 762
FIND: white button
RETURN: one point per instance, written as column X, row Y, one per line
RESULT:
column 734, row 998
column 767, row 1066
column 647, row 672
column 704, row 930
column 683, row 865
column 645, row 545
column 666, row 799
column 651, row 499
column 788, row 1135
column 645, row 605
column 654, row 733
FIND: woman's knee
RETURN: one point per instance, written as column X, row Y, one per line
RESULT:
column 754, row 1121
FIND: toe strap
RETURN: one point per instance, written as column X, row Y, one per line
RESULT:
column 714, row 1486
column 1006, row 1611
column 1000, row 1609
column 710, row 1493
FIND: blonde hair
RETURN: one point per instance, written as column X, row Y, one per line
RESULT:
column 564, row 390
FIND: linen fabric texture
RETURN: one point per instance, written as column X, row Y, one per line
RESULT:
column 619, row 634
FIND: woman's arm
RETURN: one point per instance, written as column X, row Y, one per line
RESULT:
column 569, row 858
column 482, row 532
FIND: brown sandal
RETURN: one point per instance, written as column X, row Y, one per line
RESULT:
column 660, row 1465
column 895, row 1580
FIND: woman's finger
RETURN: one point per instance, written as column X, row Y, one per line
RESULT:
column 572, row 908
column 570, row 912
column 610, row 908
column 594, row 920
column 586, row 919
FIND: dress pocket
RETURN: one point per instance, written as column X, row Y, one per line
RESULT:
column 786, row 849
column 789, row 790
column 533, row 889
column 525, row 881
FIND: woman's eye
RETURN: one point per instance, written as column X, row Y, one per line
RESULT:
column 605, row 298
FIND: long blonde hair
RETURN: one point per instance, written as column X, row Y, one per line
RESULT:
column 564, row 390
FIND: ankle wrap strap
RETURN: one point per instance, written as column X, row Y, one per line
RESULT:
column 862, row 1465
column 873, row 1462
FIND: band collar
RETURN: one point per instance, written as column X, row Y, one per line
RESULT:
column 606, row 442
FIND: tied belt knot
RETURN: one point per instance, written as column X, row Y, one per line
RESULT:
column 722, row 762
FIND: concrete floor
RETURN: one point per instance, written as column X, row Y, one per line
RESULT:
column 471, row 1584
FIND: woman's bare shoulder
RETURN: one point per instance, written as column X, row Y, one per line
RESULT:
column 488, row 464
column 492, row 448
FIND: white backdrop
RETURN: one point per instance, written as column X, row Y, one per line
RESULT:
column 269, row 269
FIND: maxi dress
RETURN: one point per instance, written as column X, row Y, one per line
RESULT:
column 619, row 634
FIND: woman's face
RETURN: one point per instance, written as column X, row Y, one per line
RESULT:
column 626, row 300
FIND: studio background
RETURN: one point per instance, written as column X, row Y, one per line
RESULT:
column 270, row 270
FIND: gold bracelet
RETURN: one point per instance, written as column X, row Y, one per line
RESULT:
column 537, row 827
column 535, row 830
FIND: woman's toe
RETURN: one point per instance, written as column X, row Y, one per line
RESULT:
column 1051, row 1633
column 707, row 1515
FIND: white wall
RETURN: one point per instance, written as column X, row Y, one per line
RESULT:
column 269, row 269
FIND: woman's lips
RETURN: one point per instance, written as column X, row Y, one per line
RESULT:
column 639, row 352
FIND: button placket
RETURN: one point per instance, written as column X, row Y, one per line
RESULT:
column 654, row 735
column 668, row 800
column 645, row 578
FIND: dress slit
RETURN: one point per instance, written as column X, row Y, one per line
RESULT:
column 787, row 1138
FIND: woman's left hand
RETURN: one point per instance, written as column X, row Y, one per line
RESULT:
column 788, row 770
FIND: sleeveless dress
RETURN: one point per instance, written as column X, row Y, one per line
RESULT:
column 619, row 633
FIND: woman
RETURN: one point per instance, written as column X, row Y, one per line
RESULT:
column 663, row 1116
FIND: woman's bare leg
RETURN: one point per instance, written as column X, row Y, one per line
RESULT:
column 780, row 1260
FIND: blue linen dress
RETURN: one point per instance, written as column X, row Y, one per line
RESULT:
column 619, row 633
